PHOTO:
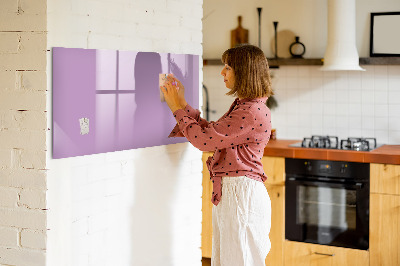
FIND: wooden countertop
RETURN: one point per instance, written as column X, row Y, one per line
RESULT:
column 389, row 154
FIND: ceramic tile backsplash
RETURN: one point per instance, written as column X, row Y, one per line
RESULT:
column 342, row 103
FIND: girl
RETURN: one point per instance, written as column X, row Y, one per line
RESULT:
column 242, row 209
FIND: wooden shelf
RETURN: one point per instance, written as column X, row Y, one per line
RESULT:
column 273, row 63
column 380, row 61
column 212, row 62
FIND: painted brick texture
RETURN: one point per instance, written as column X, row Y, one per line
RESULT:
column 23, row 126
column 9, row 237
column 33, row 239
column 23, row 15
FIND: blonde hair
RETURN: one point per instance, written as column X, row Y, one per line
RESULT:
column 250, row 66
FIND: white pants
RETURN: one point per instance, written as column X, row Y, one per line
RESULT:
column 241, row 223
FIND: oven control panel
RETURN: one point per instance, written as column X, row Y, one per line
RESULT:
column 325, row 167
column 338, row 169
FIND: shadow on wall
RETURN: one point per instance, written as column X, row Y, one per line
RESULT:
column 149, row 112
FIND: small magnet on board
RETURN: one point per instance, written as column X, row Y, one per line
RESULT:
column 84, row 125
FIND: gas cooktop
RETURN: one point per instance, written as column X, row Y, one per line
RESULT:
column 332, row 142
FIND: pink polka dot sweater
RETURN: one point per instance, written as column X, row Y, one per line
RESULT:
column 238, row 139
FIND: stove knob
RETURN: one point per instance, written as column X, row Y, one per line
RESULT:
column 343, row 168
column 308, row 166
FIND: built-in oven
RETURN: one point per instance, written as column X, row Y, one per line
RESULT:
column 327, row 202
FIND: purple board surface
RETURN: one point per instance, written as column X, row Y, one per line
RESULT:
column 109, row 100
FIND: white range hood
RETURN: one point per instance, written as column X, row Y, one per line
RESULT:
column 341, row 51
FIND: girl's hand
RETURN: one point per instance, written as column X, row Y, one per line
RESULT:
column 171, row 96
column 181, row 90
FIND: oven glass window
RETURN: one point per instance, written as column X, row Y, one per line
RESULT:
column 327, row 207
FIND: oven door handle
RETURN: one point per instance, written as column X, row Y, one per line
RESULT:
column 357, row 185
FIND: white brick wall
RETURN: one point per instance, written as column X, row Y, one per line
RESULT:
column 9, row 197
column 134, row 207
column 33, row 239
column 9, row 237
column 24, row 256
column 23, row 125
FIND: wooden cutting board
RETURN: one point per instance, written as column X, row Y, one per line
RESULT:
column 239, row 35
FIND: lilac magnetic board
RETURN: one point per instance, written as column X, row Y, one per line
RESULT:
column 109, row 100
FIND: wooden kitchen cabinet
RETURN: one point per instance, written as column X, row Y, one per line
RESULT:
column 384, row 236
column 385, row 178
column 277, row 233
column 274, row 168
column 206, row 225
column 305, row 254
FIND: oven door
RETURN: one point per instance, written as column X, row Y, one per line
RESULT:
column 327, row 213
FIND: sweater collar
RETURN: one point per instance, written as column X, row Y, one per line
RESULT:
column 262, row 99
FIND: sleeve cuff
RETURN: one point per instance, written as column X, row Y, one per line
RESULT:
column 176, row 132
column 179, row 114
column 192, row 112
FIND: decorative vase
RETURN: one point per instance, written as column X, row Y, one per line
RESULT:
column 297, row 49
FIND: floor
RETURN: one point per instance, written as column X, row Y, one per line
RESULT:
column 206, row 261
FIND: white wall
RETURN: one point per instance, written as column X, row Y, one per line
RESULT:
column 311, row 102
column 305, row 18
column 135, row 207
column 23, row 132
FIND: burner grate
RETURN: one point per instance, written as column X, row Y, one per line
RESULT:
column 332, row 142
column 358, row 144
column 327, row 142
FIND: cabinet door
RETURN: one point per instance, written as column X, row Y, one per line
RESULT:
column 206, row 232
column 384, row 230
column 385, row 178
column 274, row 168
column 304, row 254
column 277, row 233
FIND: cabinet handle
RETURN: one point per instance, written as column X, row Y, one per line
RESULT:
column 325, row 254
